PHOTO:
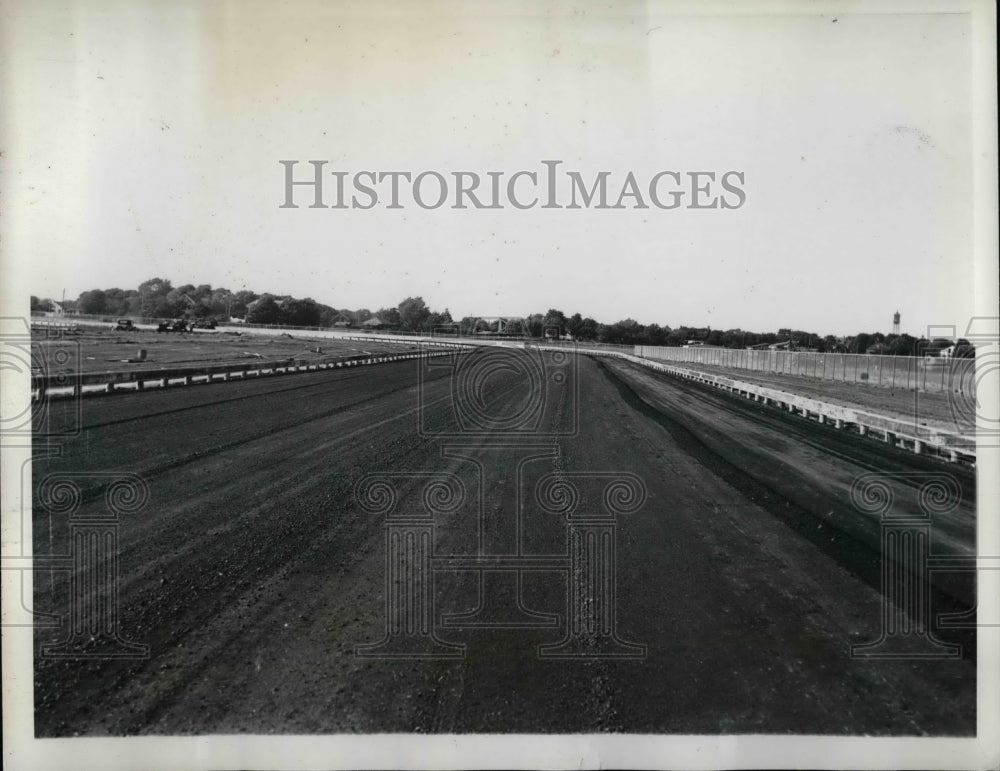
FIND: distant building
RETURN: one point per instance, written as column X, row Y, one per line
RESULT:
column 60, row 310
column 373, row 323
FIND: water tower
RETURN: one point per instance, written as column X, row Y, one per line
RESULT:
column 895, row 323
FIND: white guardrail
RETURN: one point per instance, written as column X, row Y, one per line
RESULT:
column 952, row 445
column 96, row 383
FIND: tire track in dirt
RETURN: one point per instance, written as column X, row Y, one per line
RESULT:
column 324, row 383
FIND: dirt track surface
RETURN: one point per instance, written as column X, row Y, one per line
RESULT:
column 253, row 573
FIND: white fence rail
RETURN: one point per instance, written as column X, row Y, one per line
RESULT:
column 952, row 445
column 921, row 373
column 90, row 384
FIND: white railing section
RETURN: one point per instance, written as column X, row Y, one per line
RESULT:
column 920, row 373
column 918, row 438
column 96, row 383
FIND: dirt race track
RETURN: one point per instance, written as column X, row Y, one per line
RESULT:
column 253, row 573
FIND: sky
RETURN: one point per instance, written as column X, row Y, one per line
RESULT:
column 144, row 138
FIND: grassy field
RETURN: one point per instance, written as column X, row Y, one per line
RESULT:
column 104, row 350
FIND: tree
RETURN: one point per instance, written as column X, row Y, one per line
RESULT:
column 389, row 317
column 327, row 316
column 240, row 302
column 117, row 301
column 93, row 302
column 964, row 349
column 655, row 335
column 624, row 332
column 153, row 300
column 829, row 344
column 218, row 301
column 437, row 321
column 298, row 313
column 859, row 343
column 554, row 323
column 535, row 324
column 588, row 329
column 264, row 310
column 413, row 313
column 903, row 345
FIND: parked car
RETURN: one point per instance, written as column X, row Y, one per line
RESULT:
column 180, row 325
column 124, row 325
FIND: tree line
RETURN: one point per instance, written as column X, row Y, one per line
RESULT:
column 158, row 298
